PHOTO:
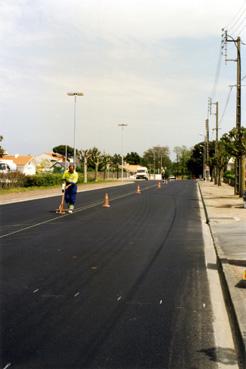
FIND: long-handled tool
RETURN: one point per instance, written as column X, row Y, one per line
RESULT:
column 61, row 209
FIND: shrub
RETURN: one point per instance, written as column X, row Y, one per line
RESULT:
column 229, row 177
column 44, row 179
column 12, row 179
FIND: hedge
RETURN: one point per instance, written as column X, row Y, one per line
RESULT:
column 12, row 179
column 46, row 179
column 17, row 179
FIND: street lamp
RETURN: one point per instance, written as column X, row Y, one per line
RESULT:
column 122, row 125
column 75, row 94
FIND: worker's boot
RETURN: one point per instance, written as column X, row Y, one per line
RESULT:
column 70, row 208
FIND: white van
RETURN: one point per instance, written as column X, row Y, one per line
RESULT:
column 142, row 173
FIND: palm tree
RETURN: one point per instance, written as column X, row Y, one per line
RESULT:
column 116, row 162
column 96, row 159
column 106, row 161
column 85, row 155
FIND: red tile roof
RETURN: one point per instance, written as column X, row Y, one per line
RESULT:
column 19, row 159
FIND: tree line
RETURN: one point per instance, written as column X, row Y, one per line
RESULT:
column 188, row 162
column 155, row 158
column 231, row 145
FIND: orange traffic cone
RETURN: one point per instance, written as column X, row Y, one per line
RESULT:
column 138, row 189
column 159, row 185
column 244, row 275
column 106, row 201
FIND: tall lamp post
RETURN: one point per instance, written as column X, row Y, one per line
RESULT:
column 122, row 125
column 75, row 94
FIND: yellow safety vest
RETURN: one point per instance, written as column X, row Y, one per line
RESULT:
column 70, row 177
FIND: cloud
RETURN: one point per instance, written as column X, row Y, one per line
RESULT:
column 136, row 61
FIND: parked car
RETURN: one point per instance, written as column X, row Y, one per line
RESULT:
column 4, row 168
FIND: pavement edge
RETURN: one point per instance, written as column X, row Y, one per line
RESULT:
column 231, row 310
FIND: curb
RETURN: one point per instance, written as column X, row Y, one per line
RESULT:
column 235, row 326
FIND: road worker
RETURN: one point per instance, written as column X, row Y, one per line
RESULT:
column 70, row 178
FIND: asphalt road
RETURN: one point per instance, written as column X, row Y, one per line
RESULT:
column 118, row 288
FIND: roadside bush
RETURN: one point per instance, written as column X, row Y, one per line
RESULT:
column 17, row 179
column 229, row 177
column 12, row 179
column 46, row 179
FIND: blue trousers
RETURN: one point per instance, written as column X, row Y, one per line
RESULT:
column 70, row 194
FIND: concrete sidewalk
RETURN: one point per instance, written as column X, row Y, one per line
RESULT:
column 226, row 217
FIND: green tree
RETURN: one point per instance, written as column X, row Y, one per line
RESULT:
column 183, row 155
column 132, row 158
column 95, row 160
column 157, row 158
column 116, row 162
column 2, row 151
column 195, row 163
column 221, row 160
column 105, row 164
column 235, row 142
column 235, row 145
column 61, row 149
column 84, row 156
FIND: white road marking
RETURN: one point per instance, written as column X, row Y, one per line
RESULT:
column 92, row 205
column 35, row 291
column 7, row 366
column 76, row 294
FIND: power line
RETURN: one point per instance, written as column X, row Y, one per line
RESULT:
column 240, row 25
column 226, row 104
column 242, row 29
column 217, row 74
column 237, row 17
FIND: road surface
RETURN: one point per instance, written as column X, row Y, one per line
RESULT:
column 117, row 288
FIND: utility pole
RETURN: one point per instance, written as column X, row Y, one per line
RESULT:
column 207, row 170
column 216, row 139
column 65, row 166
column 239, row 179
column 154, row 163
column 122, row 126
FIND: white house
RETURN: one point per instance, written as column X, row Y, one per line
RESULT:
column 24, row 163
column 231, row 164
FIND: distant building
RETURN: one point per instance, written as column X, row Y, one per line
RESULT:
column 131, row 169
column 231, row 164
column 45, row 162
column 24, row 163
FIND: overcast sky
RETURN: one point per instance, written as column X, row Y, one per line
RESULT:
column 149, row 64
